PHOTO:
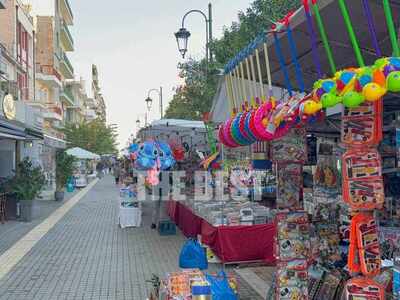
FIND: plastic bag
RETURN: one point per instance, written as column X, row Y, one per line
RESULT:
column 193, row 256
column 220, row 288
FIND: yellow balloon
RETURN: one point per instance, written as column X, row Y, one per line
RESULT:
column 311, row 107
column 373, row 91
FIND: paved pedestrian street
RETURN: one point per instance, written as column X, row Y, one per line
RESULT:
column 85, row 255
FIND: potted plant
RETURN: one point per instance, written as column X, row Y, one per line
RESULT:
column 26, row 186
column 64, row 170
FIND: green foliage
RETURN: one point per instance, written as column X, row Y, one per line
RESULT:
column 28, row 181
column 64, row 169
column 94, row 136
column 257, row 18
column 194, row 98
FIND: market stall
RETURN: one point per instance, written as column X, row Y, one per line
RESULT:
column 338, row 61
column 85, row 165
column 226, row 241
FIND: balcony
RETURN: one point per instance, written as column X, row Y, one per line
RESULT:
column 47, row 75
column 66, row 67
column 67, row 97
column 53, row 112
column 66, row 12
column 67, row 41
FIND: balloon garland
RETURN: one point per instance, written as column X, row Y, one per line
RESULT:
column 351, row 87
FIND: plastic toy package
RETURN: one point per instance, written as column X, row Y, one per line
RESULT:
column 292, row 280
column 293, row 236
column 289, row 183
column 329, row 239
column 291, row 148
column 362, row 288
column 364, row 252
column 327, row 177
column 363, row 186
column 362, row 126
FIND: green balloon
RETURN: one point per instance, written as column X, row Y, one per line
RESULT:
column 353, row 99
column 329, row 100
column 393, row 82
column 379, row 63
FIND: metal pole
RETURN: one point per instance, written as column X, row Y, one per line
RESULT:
column 210, row 39
column 161, row 102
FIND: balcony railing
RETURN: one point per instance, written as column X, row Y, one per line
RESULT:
column 67, row 63
column 65, row 4
column 67, row 91
column 47, row 70
column 69, row 36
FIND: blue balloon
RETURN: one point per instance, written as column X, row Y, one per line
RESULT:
column 147, row 156
column 395, row 61
column 364, row 79
column 165, row 154
column 328, row 85
column 346, row 76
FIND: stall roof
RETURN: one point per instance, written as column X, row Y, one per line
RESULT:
column 338, row 38
column 178, row 123
column 82, row 153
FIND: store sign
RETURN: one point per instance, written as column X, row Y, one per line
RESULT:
column 9, row 108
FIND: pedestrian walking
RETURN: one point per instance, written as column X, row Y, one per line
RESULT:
column 117, row 173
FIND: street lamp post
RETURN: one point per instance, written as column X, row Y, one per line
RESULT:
column 149, row 101
column 182, row 35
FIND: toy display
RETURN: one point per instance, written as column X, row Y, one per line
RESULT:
column 290, row 148
column 292, row 251
column 293, row 236
column 326, row 175
column 364, row 289
column 289, row 183
column 291, row 280
column 364, row 251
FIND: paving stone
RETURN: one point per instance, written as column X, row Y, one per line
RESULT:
column 87, row 256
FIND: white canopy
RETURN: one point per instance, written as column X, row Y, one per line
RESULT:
column 82, row 153
column 189, row 131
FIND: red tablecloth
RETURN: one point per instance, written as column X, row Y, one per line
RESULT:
column 229, row 243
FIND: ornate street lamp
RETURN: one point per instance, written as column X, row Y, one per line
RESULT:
column 149, row 103
column 182, row 37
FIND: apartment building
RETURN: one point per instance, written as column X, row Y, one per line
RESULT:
column 20, row 120
column 76, row 114
column 53, row 73
column 99, row 103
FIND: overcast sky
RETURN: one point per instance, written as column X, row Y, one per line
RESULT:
column 132, row 43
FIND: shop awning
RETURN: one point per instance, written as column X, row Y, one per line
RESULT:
column 82, row 153
column 11, row 130
column 54, row 142
column 34, row 134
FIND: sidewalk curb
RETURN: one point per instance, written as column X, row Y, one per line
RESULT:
column 14, row 255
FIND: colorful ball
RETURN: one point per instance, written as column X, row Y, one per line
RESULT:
column 373, row 91
column 353, row 99
column 393, row 82
column 329, row 100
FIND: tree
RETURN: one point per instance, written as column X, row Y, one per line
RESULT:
column 195, row 97
column 257, row 18
column 94, row 136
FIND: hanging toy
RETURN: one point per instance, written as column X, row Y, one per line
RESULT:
column 146, row 156
column 152, row 178
column 165, row 154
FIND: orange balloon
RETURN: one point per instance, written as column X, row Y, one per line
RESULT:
column 379, row 78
